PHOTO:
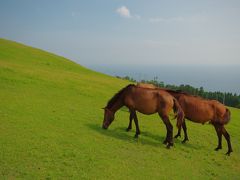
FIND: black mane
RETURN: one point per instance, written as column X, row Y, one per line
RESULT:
column 117, row 95
column 182, row 92
column 178, row 91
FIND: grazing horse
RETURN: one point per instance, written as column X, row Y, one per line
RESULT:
column 146, row 101
column 199, row 110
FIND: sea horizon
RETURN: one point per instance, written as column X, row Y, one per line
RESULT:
column 224, row 78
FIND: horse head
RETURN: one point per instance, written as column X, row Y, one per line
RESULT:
column 108, row 118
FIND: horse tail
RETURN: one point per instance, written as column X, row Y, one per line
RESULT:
column 227, row 116
column 179, row 114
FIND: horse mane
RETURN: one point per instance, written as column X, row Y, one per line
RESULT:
column 178, row 91
column 117, row 95
column 182, row 92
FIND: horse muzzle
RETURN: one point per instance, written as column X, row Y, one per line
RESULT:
column 104, row 126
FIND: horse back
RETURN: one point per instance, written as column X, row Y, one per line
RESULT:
column 148, row 101
column 146, row 85
column 197, row 109
column 202, row 110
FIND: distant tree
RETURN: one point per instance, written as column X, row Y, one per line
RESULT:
column 228, row 98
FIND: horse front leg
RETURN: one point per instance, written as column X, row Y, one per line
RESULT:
column 136, row 124
column 185, row 132
column 130, row 122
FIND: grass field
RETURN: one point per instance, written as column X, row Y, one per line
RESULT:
column 50, row 128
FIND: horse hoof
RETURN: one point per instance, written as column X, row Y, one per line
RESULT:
column 184, row 141
column 128, row 129
column 136, row 136
column 176, row 136
column 165, row 142
column 169, row 145
column 216, row 149
column 228, row 153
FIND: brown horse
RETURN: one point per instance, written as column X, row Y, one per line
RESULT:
column 146, row 101
column 199, row 110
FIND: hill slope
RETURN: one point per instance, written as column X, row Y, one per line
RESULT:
column 50, row 127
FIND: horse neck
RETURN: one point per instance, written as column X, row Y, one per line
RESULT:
column 116, row 106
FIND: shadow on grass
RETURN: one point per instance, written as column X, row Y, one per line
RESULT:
column 188, row 144
column 120, row 133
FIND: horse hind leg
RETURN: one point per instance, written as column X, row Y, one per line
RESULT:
column 227, row 137
column 185, row 132
column 169, row 127
column 179, row 133
column 218, row 129
column 167, row 134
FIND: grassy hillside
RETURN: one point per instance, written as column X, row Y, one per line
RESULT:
column 50, row 128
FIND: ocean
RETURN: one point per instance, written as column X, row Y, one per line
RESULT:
column 211, row 78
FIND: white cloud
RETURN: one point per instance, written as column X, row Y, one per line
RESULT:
column 192, row 19
column 167, row 20
column 124, row 12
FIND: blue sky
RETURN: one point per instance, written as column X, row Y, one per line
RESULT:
column 126, row 32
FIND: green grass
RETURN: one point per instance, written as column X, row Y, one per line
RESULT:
column 50, row 128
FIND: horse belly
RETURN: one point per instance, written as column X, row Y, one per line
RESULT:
column 145, row 105
column 199, row 115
